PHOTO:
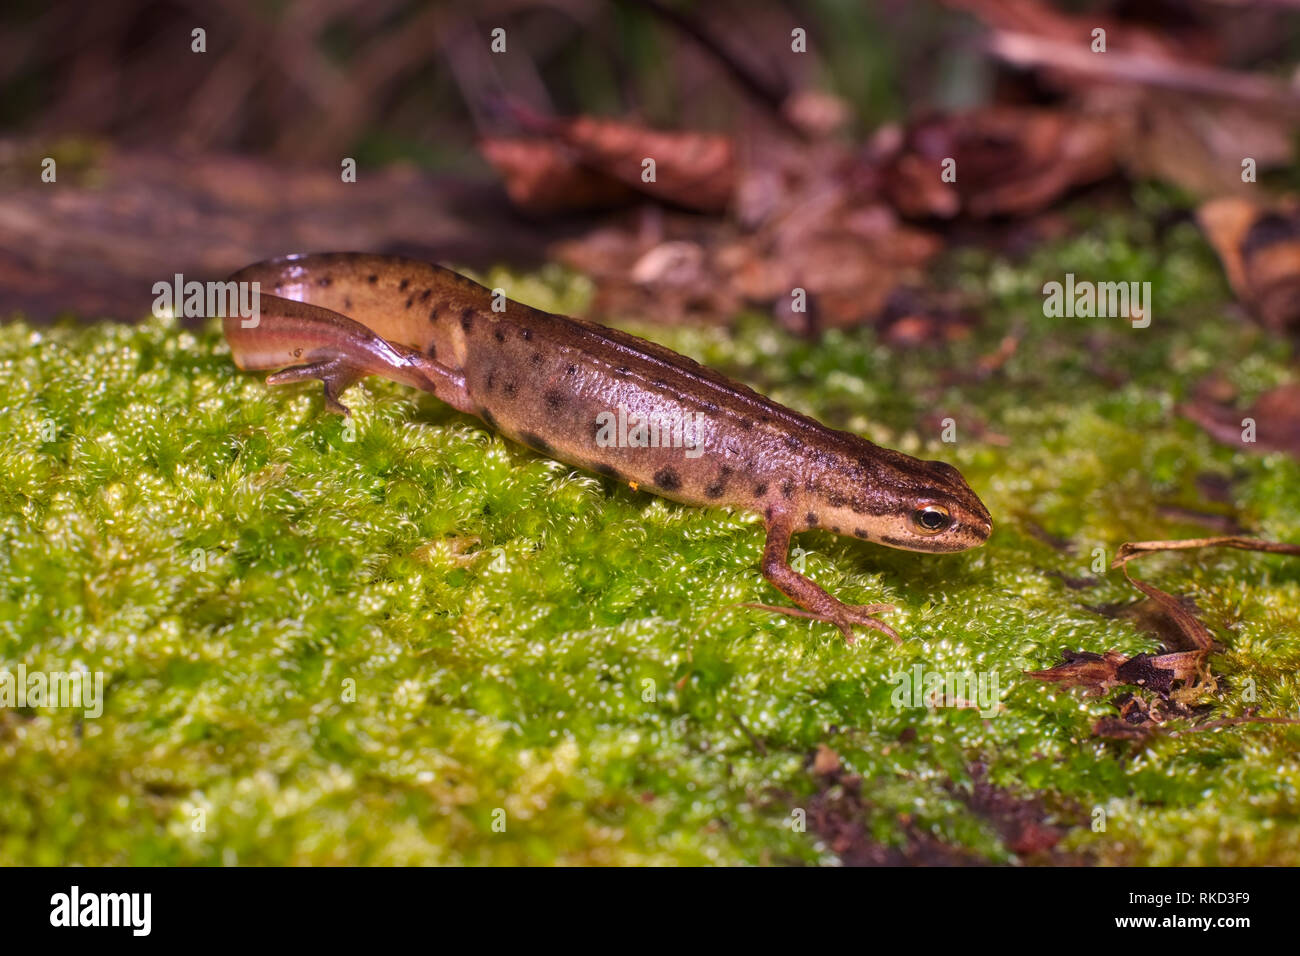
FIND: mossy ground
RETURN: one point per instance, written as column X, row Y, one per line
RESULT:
column 528, row 638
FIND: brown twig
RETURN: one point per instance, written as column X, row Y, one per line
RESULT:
column 1132, row 549
column 767, row 93
column 1026, row 50
column 1231, row 722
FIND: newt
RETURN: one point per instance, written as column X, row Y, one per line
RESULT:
column 553, row 383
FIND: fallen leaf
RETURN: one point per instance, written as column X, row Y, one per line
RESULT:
column 1273, row 422
column 692, row 170
column 1259, row 247
column 1178, row 678
column 1005, row 160
column 1176, row 114
column 1143, row 672
column 542, row 177
column 1196, row 633
column 1095, row 673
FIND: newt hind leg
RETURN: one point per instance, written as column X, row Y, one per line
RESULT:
column 335, row 373
column 818, row 603
column 307, row 341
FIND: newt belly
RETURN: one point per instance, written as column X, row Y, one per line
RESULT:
column 606, row 401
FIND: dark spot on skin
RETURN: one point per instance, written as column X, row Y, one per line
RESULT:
column 324, row 281
column 760, row 490
column 859, row 533
column 858, row 507
column 410, row 300
column 499, row 334
column 347, row 302
column 571, row 370
column 432, row 351
column 787, row 487
column 372, row 278
column 810, row 519
column 535, row 358
column 536, row 442
column 554, row 400
column 401, row 286
column 527, row 334
column 424, row 296
column 768, row 513
column 490, row 379
column 765, row 420
column 836, row 500
column 791, row 442
column 668, row 479
column 433, row 314
column 747, row 423
column 719, row 485
column 835, row 529
column 467, row 318
column 509, row 389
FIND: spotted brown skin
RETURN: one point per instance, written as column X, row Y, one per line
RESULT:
column 543, row 380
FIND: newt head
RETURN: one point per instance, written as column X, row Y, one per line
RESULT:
column 937, row 512
column 903, row 502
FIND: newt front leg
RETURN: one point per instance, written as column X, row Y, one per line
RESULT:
column 808, row 594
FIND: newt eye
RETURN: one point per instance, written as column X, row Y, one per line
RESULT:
column 931, row 519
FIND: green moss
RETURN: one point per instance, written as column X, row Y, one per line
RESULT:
column 359, row 650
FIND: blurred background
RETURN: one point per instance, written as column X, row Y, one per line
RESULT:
column 796, row 143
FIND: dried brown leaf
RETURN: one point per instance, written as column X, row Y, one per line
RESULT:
column 1274, row 421
column 692, row 170
column 1259, row 247
column 1095, row 673
column 1009, row 161
column 542, row 177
